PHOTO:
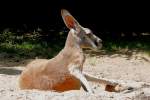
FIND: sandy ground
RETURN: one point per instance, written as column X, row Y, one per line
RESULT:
column 128, row 70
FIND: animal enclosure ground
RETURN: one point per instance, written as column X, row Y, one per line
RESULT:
column 129, row 70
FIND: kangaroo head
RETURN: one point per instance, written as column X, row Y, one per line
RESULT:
column 84, row 36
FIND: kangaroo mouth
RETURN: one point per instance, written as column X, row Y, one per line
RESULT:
column 96, row 48
column 97, row 45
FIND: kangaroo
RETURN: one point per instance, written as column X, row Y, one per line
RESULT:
column 64, row 71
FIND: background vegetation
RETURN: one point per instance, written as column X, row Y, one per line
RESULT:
column 121, row 25
column 46, row 45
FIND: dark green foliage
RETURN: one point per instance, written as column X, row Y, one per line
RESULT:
column 126, row 44
column 47, row 45
column 31, row 45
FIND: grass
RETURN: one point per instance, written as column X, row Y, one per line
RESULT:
column 141, row 44
column 29, row 46
column 27, row 49
column 33, row 45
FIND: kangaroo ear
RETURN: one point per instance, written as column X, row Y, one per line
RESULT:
column 69, row 20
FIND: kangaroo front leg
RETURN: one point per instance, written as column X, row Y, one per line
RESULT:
column 75, row 71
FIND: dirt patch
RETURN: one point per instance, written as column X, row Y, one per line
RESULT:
column 133, row 71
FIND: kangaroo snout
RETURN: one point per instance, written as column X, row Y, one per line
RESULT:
column 98, row 43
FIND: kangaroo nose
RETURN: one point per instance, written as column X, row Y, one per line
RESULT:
column 99, row 41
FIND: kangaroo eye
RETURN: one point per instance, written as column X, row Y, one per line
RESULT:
column 89, row 35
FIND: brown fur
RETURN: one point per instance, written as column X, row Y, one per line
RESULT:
column 53, row 74
column 64, row 71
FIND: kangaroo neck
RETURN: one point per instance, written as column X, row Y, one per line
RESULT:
column 72, row 41
column 72, row 51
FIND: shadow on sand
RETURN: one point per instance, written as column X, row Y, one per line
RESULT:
column 10, row 71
